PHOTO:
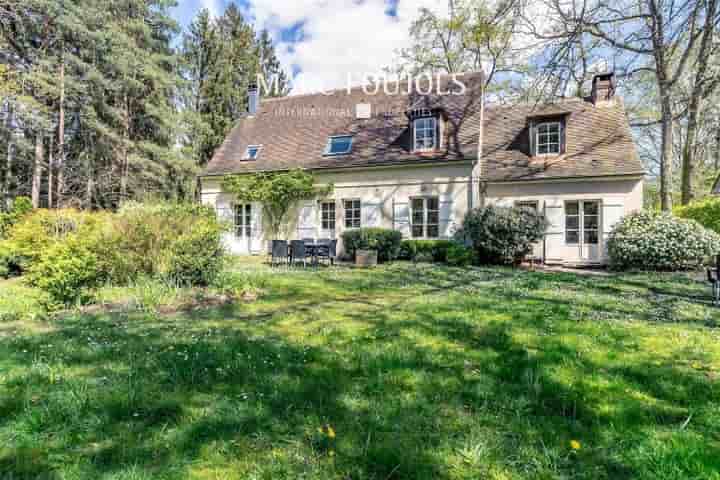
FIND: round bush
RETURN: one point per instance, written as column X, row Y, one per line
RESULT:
column 502, row 235
column 706, row 212
column 68, row 270
column 659, row 241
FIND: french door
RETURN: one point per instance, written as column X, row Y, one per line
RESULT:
column 243, row 226
column 582, row 228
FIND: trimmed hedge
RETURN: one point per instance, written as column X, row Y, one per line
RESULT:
column 384, row 240
column 425, row 250
column 659, row 241
column 706, row 212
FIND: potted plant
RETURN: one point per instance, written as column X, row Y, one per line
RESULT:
column 368, row 255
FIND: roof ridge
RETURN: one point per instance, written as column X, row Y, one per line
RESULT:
column 523, row 103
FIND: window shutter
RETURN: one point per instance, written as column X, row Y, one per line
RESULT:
column 533, row 138
column 371, row 214
column 447, row 222
column 307, row 221
column 401, row 219
column 562, row 136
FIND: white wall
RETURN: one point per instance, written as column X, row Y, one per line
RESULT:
column 617, row 198
column 384, row 194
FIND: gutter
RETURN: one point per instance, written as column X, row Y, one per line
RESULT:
column 620, row 176
column 413, row 163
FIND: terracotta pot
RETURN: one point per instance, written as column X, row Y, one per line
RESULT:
column 366, row 258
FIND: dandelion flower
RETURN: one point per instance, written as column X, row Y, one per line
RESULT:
column 575, row 445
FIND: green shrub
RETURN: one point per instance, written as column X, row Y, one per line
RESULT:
column 196, row 256
column 460, row 255
column 425, row 250
column 68, row 270
column 659, row 241
column 21, row 206
column 706, row 212
column 35, row 232
column 169, row 240
column 502, row 235
column 385, row 241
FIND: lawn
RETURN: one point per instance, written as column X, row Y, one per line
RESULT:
column 402, row 372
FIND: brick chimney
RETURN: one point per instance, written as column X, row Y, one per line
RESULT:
column 253, row 99
column 603, row 88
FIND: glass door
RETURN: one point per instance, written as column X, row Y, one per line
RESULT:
column 243, row 226
column 582, row 228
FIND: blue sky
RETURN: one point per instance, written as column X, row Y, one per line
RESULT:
column 326, row 43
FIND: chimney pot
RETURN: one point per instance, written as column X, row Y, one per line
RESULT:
column 253, row 98
column 603, row 87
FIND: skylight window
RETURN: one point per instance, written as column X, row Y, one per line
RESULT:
column 252, row 152
column 339, row 145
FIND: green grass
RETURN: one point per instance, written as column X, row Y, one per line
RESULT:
column 422, row 372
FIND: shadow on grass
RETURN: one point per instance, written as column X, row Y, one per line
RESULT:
column 449, row 374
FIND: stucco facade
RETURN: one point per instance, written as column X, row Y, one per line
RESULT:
column 385, row 196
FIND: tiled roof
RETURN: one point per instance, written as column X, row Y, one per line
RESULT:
column 598, row 142
column 294, row 130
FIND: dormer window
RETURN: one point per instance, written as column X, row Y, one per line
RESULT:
column 548, row 140
column 425, row 134
column 252, row 152
column 339, row 145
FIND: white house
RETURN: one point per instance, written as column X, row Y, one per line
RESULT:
column 421, row 159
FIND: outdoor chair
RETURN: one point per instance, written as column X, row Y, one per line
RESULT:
column 713, row 275
column 279, row 252
column 328, row 253
column 298, row 252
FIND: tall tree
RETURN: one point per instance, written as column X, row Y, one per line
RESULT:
column 652, row 35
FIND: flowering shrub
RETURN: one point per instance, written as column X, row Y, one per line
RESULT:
column 659, row 241
column 706, row 212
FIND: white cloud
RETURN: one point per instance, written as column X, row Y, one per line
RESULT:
column 213, row 6
column 340, row 38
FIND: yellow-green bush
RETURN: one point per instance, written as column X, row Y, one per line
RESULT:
column 32, row 235
column 68, row 253
column 706, row 212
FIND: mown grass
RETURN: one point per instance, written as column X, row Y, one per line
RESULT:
column 403, row 372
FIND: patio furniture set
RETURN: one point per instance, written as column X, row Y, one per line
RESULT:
column 299, row 251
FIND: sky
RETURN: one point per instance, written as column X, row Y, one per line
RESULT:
column 326, row 44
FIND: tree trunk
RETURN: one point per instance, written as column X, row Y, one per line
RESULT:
column 666, row 153
column 717, row 149
column 90, row 185
column 51, row 172
column 7, row 180
column 688, row 160
column 61, row 137
column 124, row 161
column 37, row 170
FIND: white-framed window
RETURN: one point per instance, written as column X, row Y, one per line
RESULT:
column 548, row 138
column 327, row 215
column 252, row 152
column 425, row 217
column 339, row 145
column 353, row 213
column 242, row 220
column 582, row 222
column 425, row 134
